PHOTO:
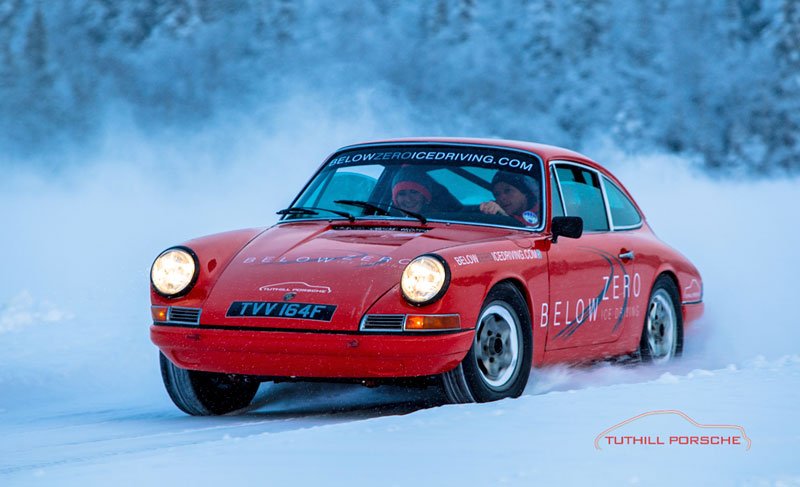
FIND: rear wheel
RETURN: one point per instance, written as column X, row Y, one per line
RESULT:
column 206, row 393
column 499, row 362
column 662, row 335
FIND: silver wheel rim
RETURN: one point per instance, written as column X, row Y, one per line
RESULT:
column 661, row 327
column 497, row 345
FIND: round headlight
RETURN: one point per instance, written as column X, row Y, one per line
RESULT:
column 425, row 279
column 174, row 272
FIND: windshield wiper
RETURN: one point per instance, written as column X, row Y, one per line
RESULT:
column 416, row 215
column 364, row 204
column 302, row 210
column 381, row 210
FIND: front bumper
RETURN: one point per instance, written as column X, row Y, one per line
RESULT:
column 309, row 354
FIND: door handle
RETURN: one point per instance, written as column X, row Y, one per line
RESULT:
column 627, row 255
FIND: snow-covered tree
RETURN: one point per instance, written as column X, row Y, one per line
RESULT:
column 717, row 79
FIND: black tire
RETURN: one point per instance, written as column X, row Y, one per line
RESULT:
column 487, row 373
column 206, row 393
column 662, row 332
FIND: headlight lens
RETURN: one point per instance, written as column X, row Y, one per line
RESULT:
column 424, row 279
column 173, row 271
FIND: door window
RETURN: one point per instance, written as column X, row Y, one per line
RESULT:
column 583, row 197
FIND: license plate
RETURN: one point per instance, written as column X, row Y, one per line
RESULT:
column 266, row 309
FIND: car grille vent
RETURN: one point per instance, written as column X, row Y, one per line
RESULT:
column 383, row 323
column 184, row 315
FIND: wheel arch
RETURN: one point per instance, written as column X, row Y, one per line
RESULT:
column 538, row 334
column 673, row 278
column 665, row 269
column 523, row 290
column 466, row 383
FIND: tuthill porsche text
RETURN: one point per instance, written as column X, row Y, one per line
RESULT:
column 682, row 432
column 712, row 440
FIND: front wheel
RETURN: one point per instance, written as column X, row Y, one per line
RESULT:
column 662, row 335
column 206, row 393
column 498, row 364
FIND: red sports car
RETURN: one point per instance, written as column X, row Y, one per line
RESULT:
column 460, row 262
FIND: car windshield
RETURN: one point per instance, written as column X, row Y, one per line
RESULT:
column 454, row 183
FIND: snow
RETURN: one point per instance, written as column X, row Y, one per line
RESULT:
column 345, row 437
column 82, row 402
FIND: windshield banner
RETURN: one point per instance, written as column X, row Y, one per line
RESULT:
column 442, row 155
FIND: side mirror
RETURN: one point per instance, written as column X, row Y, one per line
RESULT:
column 568, row 226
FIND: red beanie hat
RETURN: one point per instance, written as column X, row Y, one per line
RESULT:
column 409, row 178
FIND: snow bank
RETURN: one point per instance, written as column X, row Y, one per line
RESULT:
column 544, row 439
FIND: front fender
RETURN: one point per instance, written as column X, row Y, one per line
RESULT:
column 214, row 253
column 474, row 270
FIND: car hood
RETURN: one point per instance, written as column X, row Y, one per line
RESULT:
column 348, row 266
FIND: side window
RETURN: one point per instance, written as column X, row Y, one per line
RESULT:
column 583, row 197
column 555, row 196
column 623, row 212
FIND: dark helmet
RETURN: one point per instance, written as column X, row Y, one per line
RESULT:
column 525, row 184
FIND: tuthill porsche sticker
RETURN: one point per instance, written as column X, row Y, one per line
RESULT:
column 295, row 287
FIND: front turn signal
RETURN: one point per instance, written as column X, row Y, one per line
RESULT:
column 159, row 313
column 432, row 322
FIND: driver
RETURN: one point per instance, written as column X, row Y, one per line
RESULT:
column 411, row 190
column 515, row 195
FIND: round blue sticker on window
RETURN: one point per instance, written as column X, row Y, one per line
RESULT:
column 530, row 217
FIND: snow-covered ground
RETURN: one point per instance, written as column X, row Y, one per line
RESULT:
column 81, row 401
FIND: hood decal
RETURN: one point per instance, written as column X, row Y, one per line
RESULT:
column 360, row 259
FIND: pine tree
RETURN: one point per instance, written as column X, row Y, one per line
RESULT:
column 8, row 16
column 786, row 142
column 35, row 52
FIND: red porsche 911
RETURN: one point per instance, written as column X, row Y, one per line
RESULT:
column 461, row 262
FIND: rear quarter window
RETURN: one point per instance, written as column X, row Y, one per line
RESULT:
column 623, row 211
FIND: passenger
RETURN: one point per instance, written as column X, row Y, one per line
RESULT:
column 515, row 195
column 411, row 190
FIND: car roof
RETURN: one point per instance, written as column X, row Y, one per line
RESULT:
column 547, row 152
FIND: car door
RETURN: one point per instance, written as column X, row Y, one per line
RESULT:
column 592, row 279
